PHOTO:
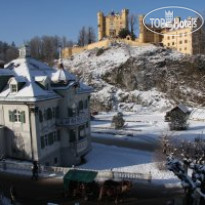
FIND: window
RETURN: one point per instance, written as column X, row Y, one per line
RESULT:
column 54, row 136
column 17, row 116
column 70, row 112
column 49, row 114
column 54, row 112
column 58, row 135
column 180, row 42
column 168, row 37
column 86, row 104
column 185, row 41
column 185, row 48
column 57, row 112
column 46, row 140
column 81, row 105
column 55, row 160
column 14, row 88
column 50, row 138
column 40, row 115
column 172, row 37
column 173, row 43
column 87, row 124
column 42, row 142
column 72, row 136
column 81, row 131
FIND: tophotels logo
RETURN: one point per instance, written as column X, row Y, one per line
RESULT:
column 165, row 19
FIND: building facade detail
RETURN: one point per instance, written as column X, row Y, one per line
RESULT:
column 37, row 117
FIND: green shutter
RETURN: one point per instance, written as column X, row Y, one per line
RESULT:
column 11, row 116
column 23, row 117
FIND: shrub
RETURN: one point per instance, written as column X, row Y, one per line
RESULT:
column 118, row 121
column 100, row 52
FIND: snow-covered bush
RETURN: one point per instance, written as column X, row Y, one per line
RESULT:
column 118, row 121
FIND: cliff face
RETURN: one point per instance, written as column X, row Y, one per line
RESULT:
column 140, row 78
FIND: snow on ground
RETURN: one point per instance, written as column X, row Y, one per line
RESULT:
column 107, row 157
column 147, row 127
column 104, row 157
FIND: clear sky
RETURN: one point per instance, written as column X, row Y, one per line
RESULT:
column 21, row 20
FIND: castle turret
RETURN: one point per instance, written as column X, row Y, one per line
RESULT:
column 142, row 29
column 125, row 13
column 101, row 26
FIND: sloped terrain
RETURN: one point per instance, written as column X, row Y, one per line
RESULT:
column 140, row 78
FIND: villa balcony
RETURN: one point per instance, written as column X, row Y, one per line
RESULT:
column 74, row 121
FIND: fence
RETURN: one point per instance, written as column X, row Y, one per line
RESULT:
column 106, row 174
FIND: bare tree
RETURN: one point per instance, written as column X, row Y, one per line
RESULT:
column 91, row 37
column 82, row 40
column 132, row 21
column 36, row 47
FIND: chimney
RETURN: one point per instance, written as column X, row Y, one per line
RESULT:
column 1, row 64
column 25, row 51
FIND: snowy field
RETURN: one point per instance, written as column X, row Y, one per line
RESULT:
column 104, row 157
column 145, row 127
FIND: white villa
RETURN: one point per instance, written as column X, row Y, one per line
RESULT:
column 44, row 113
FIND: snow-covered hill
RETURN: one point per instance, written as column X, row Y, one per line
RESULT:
column 140, row 78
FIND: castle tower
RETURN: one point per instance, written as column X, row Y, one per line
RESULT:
column 110, row 25
column 101, row 26
column 125, row 13
column 142, row 29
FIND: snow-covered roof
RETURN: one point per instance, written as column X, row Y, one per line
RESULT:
column 62, row 75
column 31, row 71
column 183, row 108
column 18, row 79
column 5, row 72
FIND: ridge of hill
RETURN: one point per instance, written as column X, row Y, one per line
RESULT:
column 144, row 78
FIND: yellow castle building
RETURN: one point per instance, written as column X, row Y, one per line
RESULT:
column 110, row 25
column 183, row 40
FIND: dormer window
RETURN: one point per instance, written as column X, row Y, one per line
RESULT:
column 16, row 83
column 43, row 82
column 14, row 88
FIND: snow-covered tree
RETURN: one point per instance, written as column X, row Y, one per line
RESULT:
column 118, row 121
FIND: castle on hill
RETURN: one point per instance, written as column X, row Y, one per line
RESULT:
column 180, row 39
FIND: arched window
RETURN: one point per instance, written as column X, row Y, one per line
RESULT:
column 81, row 105
column 49, row 114
column 40, row 115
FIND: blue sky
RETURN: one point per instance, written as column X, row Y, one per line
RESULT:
column 24, row 19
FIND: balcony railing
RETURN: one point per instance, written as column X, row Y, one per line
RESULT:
column 77, row 120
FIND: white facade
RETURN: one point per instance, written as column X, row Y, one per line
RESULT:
column 44, row 113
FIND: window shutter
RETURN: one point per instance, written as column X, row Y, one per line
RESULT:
column 11, row 116
column 23, row 117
